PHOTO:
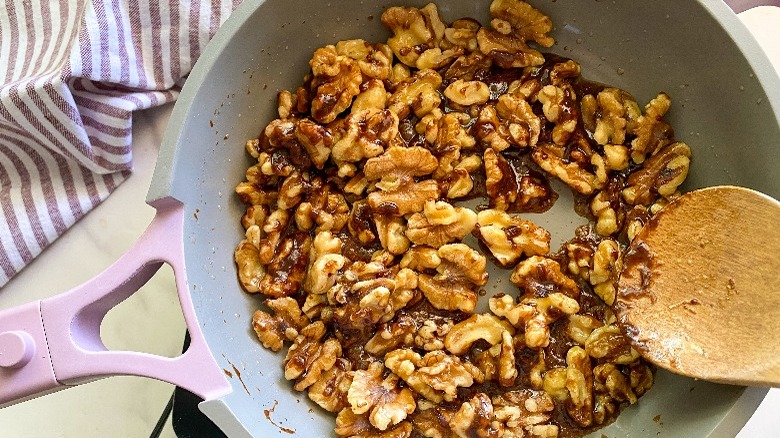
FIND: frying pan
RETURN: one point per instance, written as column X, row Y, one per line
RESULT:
column 726, row 105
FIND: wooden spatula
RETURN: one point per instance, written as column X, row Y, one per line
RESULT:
column 699, row 293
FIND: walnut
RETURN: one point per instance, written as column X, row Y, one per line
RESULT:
column 538, row 276
column 272, row 229
column 336, row 82
column 361, row 224
column 534, row 314
column 372, row 96
column 474, row 418
column 463, row 33
column 349, row 424
column 609, row 115
column 508, row 238
column 652, row 133
column 250, row 268
column 285, row 323
column 287, row 269
column 414, row 31
column 326, row 208
column 492, row 131
column 398, row 165
column 607, row 265
column 330, row 390
column 325, row 263
column 610, row 344
column 508, row 189
column 437, row 58
column 660, row 175
column 461, row 271
column 367, row 134
column 518, row 411
column 420, row 258
column 391, row 233
column 579, row 382
column 374, row 60
column 291, row 191
column 558, row 107
column 440, row 223
column 436, row 376
column 569, row 172
column 406, row 331
column 447, row 136
column 609, row 379
column 479, row 326
column 409, row 198
column 498, row 362
column 316, row 140
column 387, row 403
column 517, row 23
column 580, row 327
column 433, row 421
column 418, row 94
column 467, row 66
column 467, row 93
column 524, row 126
column 309, row 356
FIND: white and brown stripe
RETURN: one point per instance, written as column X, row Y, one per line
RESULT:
column 71, row 74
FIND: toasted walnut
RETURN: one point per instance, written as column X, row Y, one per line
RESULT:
column 291, row 191
column 498, row 362
column 467, row 93
column 652, row 133
column 518, row 411
column 558, row 106
column 534, row 314
column 407, row 331
column 409, row 198
column 463, row 33
column 660, row 175
column 440, row 223
column 250, row 268
column 420, row 258
column 538, row 276
column 414, row 31
column 579, row 382
column 433, row 421
column 467, row 66
column 285, row 323
column 286, row 271
column 609, row 379
column 436, row 376
column 368, row 133
column 479, row 326
column 398, row 165
column 571, row 173
column 337, row 80
column 461, row 271
column 606, row 268
column 524, row 126
column 316, row 140
column 580, row 327
column 475, row 418
column 349, row 424
column 418, row 94
column 391, row 233
column 372, row 96
column 609, row 115
column 515, row 23
column 330, row 390
column 374, row 60
column 387, row 403
column 326, row 208
column 492, row 131
column 509, row 190
column 310, row 356
column 508, row 238
column 325, row 263
column 609, row 343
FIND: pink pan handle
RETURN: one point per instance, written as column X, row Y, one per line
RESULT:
column 50, row 344
column 743, row 5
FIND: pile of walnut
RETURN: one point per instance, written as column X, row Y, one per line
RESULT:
column 353, row 236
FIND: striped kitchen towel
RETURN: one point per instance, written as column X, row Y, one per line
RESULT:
column 71, row 74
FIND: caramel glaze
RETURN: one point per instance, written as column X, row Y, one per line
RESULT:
column 517, row 163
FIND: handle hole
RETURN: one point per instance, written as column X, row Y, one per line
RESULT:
column 127, row 326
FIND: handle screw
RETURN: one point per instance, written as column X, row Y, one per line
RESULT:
column 16, row 349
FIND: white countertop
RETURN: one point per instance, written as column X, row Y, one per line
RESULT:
column 151, row 321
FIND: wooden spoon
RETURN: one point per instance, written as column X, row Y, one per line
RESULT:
column 699, row 293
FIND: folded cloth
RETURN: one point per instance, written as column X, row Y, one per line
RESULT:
column 71, row 74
